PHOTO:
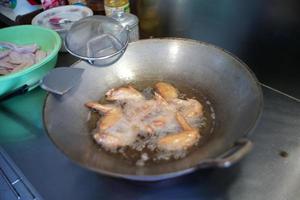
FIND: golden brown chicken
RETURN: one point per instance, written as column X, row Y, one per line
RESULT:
column 131, row 115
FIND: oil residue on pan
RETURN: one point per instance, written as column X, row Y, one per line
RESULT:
column 144, row 150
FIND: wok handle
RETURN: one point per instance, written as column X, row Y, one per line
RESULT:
column 237, row 152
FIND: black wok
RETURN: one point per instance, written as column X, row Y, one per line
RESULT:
column 230, row 86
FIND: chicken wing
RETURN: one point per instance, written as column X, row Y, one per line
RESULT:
column 123, row 93
column 182, row 140
column 166, row 90
column 166, row 117
column 188, row 108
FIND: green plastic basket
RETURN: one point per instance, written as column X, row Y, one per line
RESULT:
column 47, row 40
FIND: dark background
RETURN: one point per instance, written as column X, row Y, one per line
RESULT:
column 265, row 34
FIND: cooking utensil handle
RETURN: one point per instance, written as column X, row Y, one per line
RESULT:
column 237, row 152
column 16, row 92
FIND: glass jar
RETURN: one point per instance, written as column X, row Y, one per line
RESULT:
column 113, row 6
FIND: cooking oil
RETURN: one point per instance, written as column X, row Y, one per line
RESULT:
column 137, row 154
column 113, row 6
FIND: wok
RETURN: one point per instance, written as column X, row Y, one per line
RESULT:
column 227, row 83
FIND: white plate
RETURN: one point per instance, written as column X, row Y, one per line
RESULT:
column 71, row 12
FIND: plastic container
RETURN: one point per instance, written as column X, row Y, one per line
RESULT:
column 47, row 40
column 131, row 22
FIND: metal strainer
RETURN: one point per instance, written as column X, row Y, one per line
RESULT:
column 100, row 40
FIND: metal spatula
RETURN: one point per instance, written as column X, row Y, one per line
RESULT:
column 61, row 80
column 58, row 81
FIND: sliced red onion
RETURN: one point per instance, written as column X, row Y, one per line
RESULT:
column 15, row 58
column 27, row 48
column 19, row 58
column 39, row 55
column 8, row 45
column 4, row 53
column 5, row 65
column 23, row 65
column 3, row 71
column 31, row 48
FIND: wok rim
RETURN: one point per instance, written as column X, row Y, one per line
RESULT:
column 168, row 175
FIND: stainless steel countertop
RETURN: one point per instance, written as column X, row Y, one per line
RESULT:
column 263, row 174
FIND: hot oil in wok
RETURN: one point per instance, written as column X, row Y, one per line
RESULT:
column 136, row 153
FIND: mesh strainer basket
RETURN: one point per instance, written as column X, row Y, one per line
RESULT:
column 100, row 40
